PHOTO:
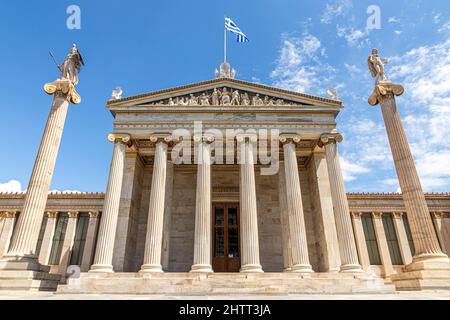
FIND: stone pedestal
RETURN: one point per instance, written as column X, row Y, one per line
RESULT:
column 430, row 267
column 108, row 224
column 249, row 218
column 202, row 237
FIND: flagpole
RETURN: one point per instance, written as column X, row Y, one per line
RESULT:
column 224, row 43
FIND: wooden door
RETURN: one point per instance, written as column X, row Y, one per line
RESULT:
column 226, row 238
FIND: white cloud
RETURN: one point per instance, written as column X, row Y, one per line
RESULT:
column 351, row 169
column 445, row 27
column 337, row 9
column 398, row 32
column 12, row 186
column 393, row 20
column 352, row 69
column 299, row 66
column 353, row 36
column 437, row 18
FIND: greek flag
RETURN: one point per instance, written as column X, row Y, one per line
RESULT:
column 231, row 26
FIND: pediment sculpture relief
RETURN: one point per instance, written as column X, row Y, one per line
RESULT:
column 225, row 97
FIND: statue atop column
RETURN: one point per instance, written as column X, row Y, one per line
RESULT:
column 70, row 69
column 382, row 84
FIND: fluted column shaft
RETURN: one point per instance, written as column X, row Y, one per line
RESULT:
column 110, row 213
column 90, row 241
column 299, row 244
column 249, row 219
column 24, row 240
column 346, row 238
column 202, row 237
column 6, row 231
column 155, row 224
column 284, row 217
column 422, row 230
column 47, row 241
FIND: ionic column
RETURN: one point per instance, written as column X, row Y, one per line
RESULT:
column 25, row 237
column 347, row 245
column 108, row 224
column 90, row 241
column 382, row 244
column 47, row 241
column 426, row 243
column 440, row 231
column 7, row 230
column 155, row 224
column 360, row 240
column 297, row 229
column 69, row 238
column 400, row 231
column 284, row 217
column 202, row 236
column 249, row 217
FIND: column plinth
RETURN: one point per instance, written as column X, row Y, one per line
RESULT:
column 346, row 238
column 108, row 224
column 296, row 219
column 249, row 216
column 155, row 224
column 202, row 237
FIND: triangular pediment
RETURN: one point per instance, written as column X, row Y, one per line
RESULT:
column 223, row 92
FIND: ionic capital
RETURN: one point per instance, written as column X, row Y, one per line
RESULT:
column 52, row 214
column 385, row 89
column 288, row 138
column 356, row 215
column 328, row 138
column 119, row 138
column 94, row 214
column 397, row 215
column 207, row 138
column 8, row 214
column 242, row 138
column 437, row 214
column 73, row 214
column 161, row 138
column 377, row 215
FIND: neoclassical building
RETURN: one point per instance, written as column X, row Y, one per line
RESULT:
column 223, row 186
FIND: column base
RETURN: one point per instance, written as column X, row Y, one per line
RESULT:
column 101, row 268
column 22, row 263
column 155, row 268
column 298, row 268
column 248, row 268
column 424, row 273
column 203, row 268
column 287, row 269
column 351, row 268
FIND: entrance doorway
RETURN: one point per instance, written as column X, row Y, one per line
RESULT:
column 226, row 238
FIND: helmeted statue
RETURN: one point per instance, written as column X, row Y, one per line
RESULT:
column 72, row 65
column 376, row 66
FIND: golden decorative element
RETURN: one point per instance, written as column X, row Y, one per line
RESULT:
column 382, row 88
column 377, row 215
column 73, row 214
column 52, row 214
column 8, row 214
column 94, row 214
column 65, row 87
column 397, row 215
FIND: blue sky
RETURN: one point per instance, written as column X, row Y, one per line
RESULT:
column 307, row 46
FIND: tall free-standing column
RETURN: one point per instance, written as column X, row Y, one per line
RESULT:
column 249, row 217
column 108, row 224
column 155, row 224
column 422, row 230
column 296, row 219
column 346, row 238
column 202, row 237
column 24, row 240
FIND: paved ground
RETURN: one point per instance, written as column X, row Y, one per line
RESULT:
column 424, row 295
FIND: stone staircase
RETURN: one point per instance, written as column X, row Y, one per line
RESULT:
column 224, row 284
